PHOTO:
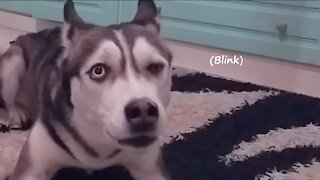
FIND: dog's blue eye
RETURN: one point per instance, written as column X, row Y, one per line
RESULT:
column 98, row 72
column 155, row 68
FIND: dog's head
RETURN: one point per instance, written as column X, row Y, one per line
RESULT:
column 121, row 76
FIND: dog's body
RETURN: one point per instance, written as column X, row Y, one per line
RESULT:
column 95, row 96
column 23, row 69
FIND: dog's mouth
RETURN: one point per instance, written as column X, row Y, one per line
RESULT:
column 138, row 141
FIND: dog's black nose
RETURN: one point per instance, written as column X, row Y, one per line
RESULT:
column 142, row 115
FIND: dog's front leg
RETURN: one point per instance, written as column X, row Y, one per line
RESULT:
column 40, row 157
column 28, row 167
column 150, row 166
column 12, row 70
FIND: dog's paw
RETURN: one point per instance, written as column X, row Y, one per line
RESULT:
column 14, row 118
column 4, row 128
column 4, row 122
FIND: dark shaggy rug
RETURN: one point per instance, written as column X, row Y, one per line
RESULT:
column 226, row 130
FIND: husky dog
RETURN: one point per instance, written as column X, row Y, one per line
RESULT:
column 95, row 96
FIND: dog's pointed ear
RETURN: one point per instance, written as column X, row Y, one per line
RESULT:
column 148, row 16
column 70, row 14
column 73, row 26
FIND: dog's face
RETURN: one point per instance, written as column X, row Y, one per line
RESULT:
column 121, row 78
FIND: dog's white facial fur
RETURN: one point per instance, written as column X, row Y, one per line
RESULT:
column 138, row 66
column 83, row 120
column 101, row 104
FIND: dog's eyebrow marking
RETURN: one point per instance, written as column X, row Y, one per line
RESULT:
column 133, row 33
column 107, row 52
column 143, row 50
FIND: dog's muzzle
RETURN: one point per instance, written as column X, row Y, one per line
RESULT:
column 142, row 116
